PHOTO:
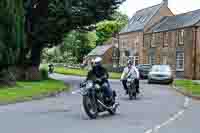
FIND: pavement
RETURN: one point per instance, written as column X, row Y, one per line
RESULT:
column 159, row 109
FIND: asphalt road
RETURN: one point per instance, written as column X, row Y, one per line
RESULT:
column 159, row 109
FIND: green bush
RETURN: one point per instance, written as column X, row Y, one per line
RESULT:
column 44, row 73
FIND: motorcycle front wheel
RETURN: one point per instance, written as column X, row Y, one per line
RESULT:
column 131, row 95
column 89, row 107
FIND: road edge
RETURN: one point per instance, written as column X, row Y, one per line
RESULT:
column 185, row 93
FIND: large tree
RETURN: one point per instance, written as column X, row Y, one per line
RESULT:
column 48, row 21
column 11, row 36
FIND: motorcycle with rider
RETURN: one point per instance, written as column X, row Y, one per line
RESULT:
column 130, row 80
column 96, row 91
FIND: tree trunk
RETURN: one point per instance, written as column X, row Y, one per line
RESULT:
column 29, row 70
column 33, row 72
column 7, row 77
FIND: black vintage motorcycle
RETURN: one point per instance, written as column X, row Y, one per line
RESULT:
column 131, row 88
column 94, row 100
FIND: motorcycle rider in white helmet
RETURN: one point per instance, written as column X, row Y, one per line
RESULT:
column 130, row 69
column 99, row 72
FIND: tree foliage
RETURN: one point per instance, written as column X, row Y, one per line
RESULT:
column 75, row 46
column 108, row 28
column 29, row 26
column 48, row 21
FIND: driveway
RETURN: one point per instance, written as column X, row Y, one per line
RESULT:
column 158, row 109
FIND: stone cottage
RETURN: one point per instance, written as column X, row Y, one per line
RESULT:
column 132, row 36
column 176, row 41
column 155, row 35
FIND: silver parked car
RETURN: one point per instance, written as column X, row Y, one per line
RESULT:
column 160, row 74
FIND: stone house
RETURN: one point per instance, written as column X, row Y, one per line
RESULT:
column 176, row 41
column 104, row 51
column 155, row 35
column 131, row 37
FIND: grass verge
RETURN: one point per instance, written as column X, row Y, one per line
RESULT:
column 189, row 86
column 26, row 91
column 82, row 72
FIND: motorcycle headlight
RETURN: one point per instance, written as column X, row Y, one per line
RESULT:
column 129, row 80
column 97, row 86
column 89, row 85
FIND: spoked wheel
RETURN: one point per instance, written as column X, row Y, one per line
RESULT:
column 90, row 107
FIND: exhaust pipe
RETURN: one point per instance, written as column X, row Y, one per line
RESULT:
column 109, row 108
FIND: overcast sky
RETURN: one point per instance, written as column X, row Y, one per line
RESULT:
column 177, row 6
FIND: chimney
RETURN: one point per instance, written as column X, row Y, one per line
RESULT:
column 165, row 2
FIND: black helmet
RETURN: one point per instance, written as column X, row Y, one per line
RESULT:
column 130, row 62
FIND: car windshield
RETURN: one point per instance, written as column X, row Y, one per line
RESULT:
column 145, row 66
column 161, row 68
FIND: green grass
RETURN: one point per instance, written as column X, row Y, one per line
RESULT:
column 188, row 86
column 82, row 72
column 24, row 91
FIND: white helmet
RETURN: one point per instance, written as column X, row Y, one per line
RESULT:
column 98, row 60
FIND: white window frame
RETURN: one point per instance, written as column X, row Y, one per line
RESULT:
column 180, row 57
column 165, row 60
column 181, row 37
column 122, row 44
column 153, row 40
column 166, row 39
column 152, row 59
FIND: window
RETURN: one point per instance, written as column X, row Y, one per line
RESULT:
column 181, row 37
column 136, row 60
column 180, row 61
column 152, row 60
column 164, row 60
column 123, row 44
column 166, row 39
column 153, row 39
column 127, row 53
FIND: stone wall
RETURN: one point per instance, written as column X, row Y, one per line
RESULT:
column 167, row 54
column 198, row 54
column 132, row 42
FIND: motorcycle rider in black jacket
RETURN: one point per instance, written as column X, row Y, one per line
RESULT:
column 100, row 74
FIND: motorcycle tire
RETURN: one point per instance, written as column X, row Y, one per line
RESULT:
column 135, row 96
column 131, row 95
column 90, row 110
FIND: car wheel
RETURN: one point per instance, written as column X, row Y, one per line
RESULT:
column 171, row 82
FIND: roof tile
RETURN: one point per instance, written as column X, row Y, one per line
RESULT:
column 140, row 18
column 179, row 21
